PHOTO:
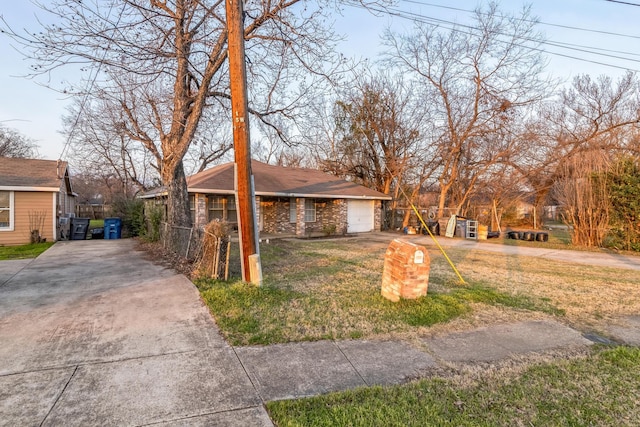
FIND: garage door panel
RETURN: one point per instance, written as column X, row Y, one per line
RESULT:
column 360, row 216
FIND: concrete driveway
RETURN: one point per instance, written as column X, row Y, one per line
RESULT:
column 92, row 333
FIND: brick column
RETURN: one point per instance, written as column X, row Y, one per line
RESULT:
column 300, row 224
column 342, row 224
column 201, row 210
column 377, row 215
column 406, row 271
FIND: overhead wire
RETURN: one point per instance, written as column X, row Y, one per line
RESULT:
column 623, row 2
column 568, row 27
column 456, row 27
column 415, row 17
column 92, row 82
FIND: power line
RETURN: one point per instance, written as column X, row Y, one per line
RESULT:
column 623, row 2
column 567, row 27
column 415, row 17
column 92, row 82
column 455, row 27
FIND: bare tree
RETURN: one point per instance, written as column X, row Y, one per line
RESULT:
column 14, row 144
column 589, row 116
column 582, row 191
column 99, row 147
column 473, row 77
column 164, row 63
column 377, row 136
column 98, row 143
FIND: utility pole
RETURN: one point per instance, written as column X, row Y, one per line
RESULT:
column 250, row 258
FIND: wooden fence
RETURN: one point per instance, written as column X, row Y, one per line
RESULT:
column 93, row 211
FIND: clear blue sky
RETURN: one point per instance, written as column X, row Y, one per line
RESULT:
column 36, row 111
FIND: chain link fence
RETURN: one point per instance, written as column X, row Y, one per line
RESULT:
column 208, row 249
column 184, row 241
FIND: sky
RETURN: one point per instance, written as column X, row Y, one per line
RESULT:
column 587, row 25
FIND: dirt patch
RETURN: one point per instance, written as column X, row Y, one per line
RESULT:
column 156, row 253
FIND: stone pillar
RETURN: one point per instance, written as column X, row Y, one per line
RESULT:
column 342, row 222
column 377, row 215
column 300, row 224
column 201, row 210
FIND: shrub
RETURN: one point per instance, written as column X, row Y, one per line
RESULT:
column 154, row 215
column 131, row 212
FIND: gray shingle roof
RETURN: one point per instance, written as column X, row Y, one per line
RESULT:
column 31, row 173
column 273, row 180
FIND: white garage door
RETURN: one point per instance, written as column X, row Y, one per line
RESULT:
column 359, row 216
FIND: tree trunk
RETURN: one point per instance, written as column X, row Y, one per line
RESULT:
column 178, row 210
column 442, row 199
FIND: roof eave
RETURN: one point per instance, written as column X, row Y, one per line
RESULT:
column 289, row 195
column 21, row 188
column 324, row 196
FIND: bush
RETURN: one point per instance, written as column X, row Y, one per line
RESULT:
column 154, row 215
column 623, row 181
column 131, row 212
column 620, row 239
column 329, row 230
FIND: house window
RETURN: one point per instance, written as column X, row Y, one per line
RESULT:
column 309, row 210
column 6, row 210
column 292, row 211
column 216, row 208
column 223, row 208
column 192, row 207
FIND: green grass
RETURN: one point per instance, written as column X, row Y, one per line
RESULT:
column 602, row 389
column 96, row 223
column 328, row 290
column 24, row 251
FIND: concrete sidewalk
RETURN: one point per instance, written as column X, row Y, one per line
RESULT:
column 295, row 370
column 93, row 333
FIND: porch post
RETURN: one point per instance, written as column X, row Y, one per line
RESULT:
column 300, row 224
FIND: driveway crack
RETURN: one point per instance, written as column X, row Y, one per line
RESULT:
column 60, row 395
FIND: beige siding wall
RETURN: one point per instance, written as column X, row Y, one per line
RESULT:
column 26, row 203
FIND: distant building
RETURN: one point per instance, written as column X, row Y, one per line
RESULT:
column 34, row 195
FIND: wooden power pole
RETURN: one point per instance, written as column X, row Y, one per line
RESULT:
column 250, row 258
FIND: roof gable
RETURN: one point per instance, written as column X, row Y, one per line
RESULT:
column 34, row 174
column 273, row 180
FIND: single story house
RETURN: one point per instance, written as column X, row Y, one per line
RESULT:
column 290, row 201
column 34, row 194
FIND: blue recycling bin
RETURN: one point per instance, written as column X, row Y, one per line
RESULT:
column 112, row 228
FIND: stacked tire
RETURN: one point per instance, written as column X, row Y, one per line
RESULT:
column 528, row 236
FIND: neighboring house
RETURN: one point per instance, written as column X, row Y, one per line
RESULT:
column 292, row 201
column 34, row 194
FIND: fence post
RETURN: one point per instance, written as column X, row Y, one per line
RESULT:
column 186, row 255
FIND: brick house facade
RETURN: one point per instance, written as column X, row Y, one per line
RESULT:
column 289, row 201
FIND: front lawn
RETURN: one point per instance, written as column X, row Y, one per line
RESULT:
column 601, row 389
column 23, row 251
column 330, row 289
